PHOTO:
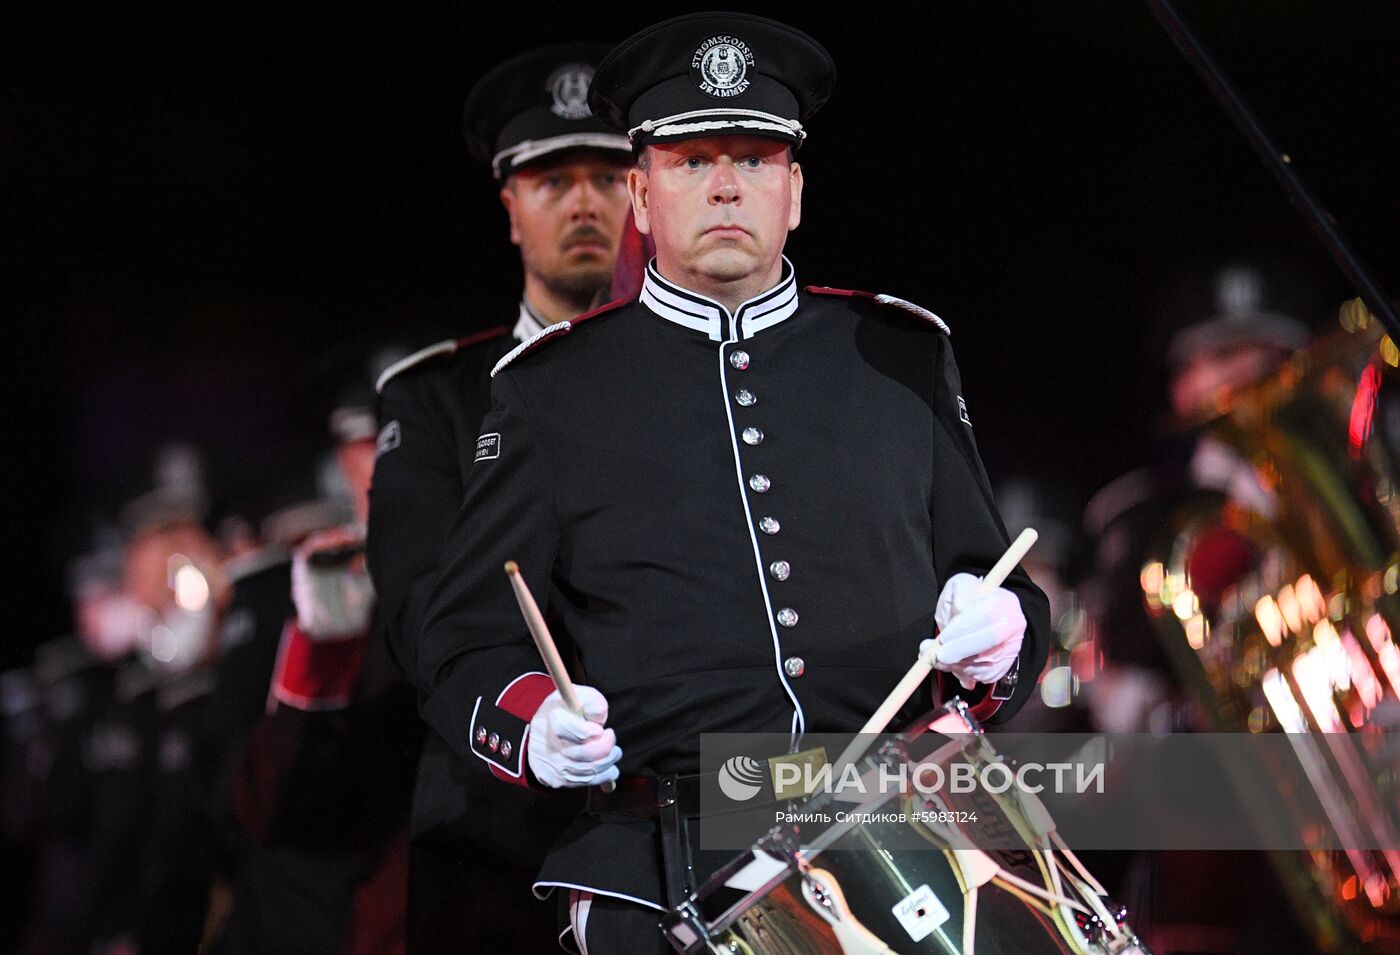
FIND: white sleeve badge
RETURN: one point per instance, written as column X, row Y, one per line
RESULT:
column 488, row 446
column 389, row 437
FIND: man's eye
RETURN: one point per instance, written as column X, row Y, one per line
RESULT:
column 555, row 182
column 753, row 162
column 694, row 162
column 608, row 179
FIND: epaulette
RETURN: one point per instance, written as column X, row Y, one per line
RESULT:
column 445, row 347
column 887, row 300
column 553, row 331
column 246, row 565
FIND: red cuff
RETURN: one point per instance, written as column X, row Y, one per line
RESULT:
column 526, row 695
column 316, row 674
column 500, row 733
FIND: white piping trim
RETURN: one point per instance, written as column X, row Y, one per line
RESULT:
column 528, row 343
column 578, row 919
column 799, row 719
column 403, row 364
column 535, row 888
column 520, row 753
column 532, row 149
column 663, row 299
column 781, row 311
column 758, row 120
column 655, row 297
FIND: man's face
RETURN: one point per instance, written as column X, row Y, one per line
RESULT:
column 1205, row 384
column 718, row 209
column 567, row 217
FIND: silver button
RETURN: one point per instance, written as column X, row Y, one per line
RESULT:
column 769, row 525
column 780, row 569
column 745, row 398
column 787, row 617
column 494, row 743
column 753, row 436
column 505, row 749
column 739, row 359
column 794, row 667
column 760, row 483
column 480, row 735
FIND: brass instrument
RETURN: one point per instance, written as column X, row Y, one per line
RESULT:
column 1304, row 639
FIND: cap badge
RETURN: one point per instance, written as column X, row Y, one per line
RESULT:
column 568, row 85
column 720, row 66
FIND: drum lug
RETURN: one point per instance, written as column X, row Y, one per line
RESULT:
column 685, row 929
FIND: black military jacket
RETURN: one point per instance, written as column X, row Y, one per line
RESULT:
column 742, row 520
column 430, row 406
column 430, row 411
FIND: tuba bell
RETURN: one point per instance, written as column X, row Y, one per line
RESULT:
column 1295, row 631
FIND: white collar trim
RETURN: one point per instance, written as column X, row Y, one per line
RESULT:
column 703, row 314
column 528, row 325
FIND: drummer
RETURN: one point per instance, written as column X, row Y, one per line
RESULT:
column 746, row 500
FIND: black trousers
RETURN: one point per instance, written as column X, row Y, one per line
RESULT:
column 459, row 905
column 612, row 927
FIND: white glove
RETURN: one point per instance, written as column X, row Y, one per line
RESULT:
column 979, row 633
column 333, row 603
column 569, row 750
column 115, row 624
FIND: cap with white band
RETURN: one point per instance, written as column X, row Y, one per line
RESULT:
column 536, row 105
column 713, row 74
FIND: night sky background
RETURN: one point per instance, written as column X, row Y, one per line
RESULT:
column 214, row 214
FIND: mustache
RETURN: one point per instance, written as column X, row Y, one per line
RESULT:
column 586, row 233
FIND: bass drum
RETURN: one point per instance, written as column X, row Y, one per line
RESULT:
column 903, row 872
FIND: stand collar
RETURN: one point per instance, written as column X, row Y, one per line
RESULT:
column 703, row 314
column 528, row 324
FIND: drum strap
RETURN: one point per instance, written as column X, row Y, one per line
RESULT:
column 673, row 851
column 672, row 801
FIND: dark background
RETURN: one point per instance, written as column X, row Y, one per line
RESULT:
column 213, row 214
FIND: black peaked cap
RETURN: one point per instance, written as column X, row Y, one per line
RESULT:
column 535, row 105
column 713, row 74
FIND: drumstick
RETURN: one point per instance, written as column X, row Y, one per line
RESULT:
column 544, row 642
column 924, row 665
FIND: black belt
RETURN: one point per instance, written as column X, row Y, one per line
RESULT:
column 669, row 800
column 650, row 797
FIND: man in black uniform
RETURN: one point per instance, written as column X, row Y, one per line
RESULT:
column 475, row 847
column 741, row 500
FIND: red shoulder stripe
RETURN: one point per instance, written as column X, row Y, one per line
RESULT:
column 844, row 292
column 889, row 301
column 552, row 332
column 600, row 310
column 482, row 336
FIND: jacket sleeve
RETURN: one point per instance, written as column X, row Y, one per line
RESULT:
column 969, row 537
column 478, row 670
column 417, row 490
column 330, row 764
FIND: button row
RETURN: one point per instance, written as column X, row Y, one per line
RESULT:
column 760, row 484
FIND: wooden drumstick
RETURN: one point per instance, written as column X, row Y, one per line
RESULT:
column 544, row 642
column 924, row 665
